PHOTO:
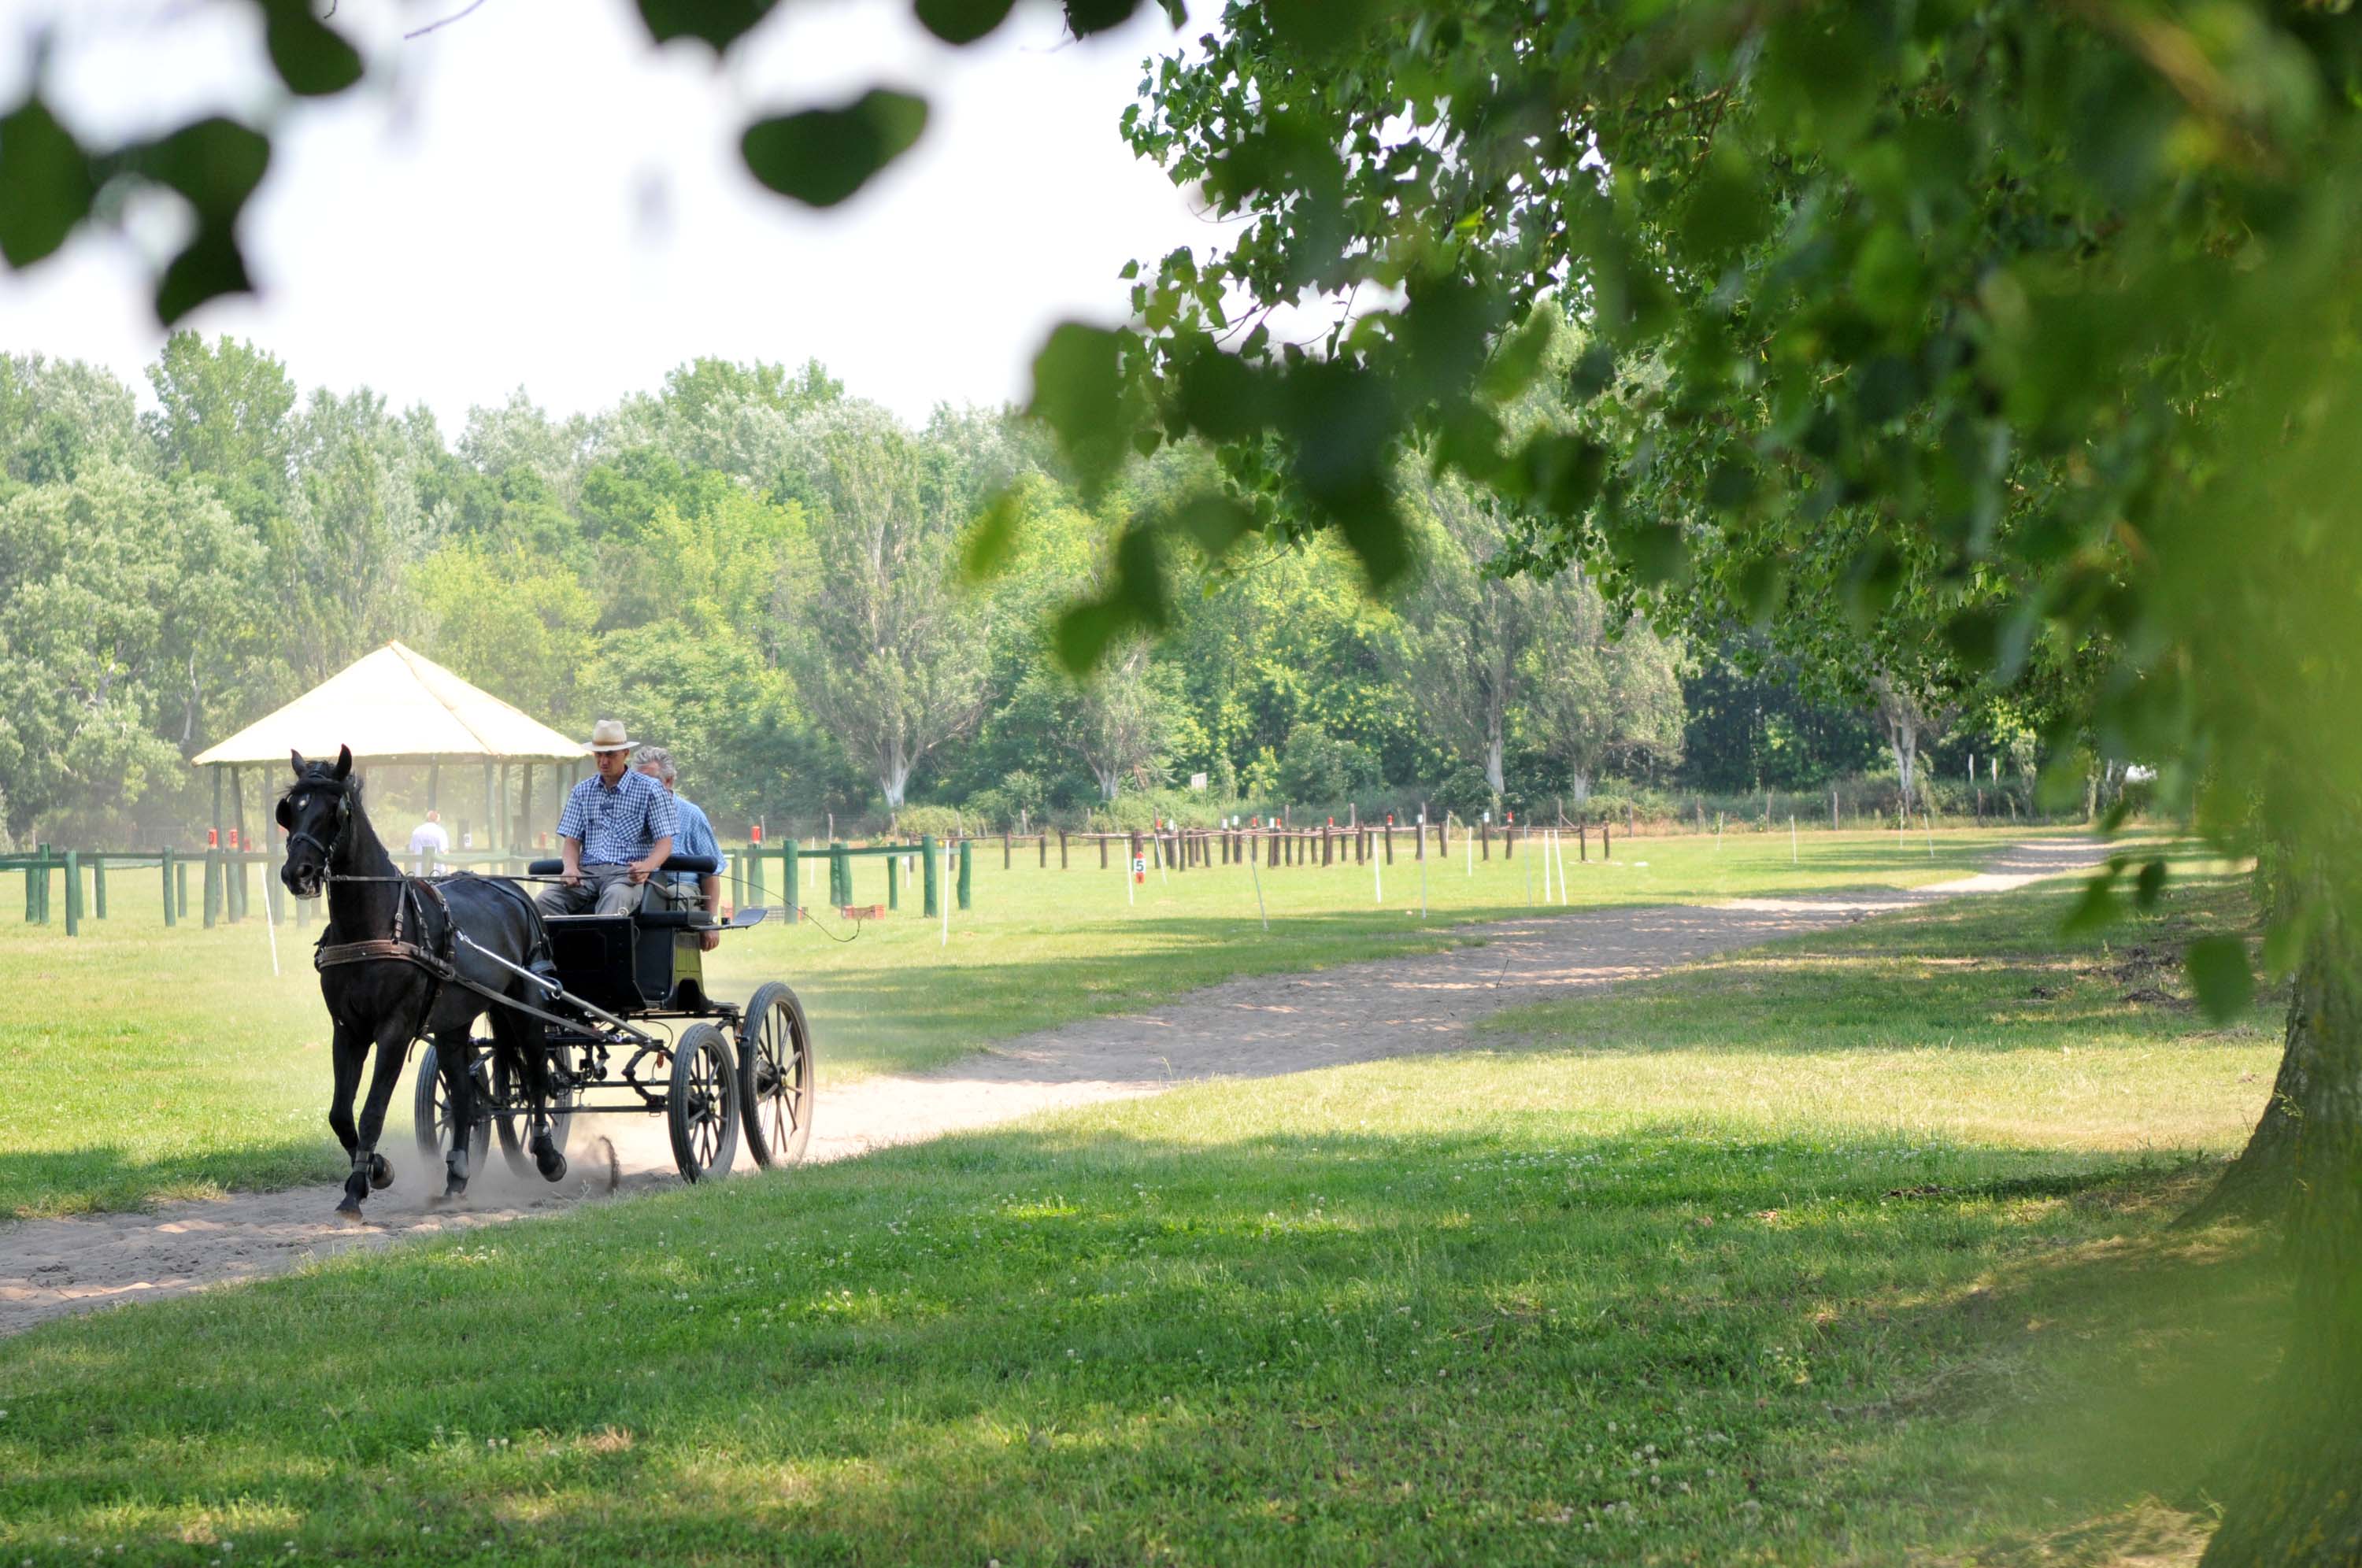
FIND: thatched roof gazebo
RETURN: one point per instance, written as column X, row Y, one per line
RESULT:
column 397, row 706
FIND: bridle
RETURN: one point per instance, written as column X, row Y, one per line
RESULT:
column 344, row 789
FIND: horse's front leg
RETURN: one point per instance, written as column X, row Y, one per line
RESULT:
column 371, row 1169
column 346, row 1049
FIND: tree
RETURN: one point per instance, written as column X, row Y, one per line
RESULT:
column 1910, row 716
column 894, row 651
column 227, row 412
column 1596, row 695
column 517, row 626
column 1472, row 628
column 109, row 584
column 58, row 415
column 2012, row 334
column 1118, row 721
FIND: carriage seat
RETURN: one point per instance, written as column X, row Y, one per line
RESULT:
column 607, row 960
column 651, row 920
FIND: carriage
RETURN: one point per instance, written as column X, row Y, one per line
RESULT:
column 631, row 1028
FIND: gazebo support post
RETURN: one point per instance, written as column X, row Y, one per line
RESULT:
column 491, row 810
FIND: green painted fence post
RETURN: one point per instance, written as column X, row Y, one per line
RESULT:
column 967, row 872
column 98, row 886
column 181, row 885
column 32, row 891
column 164, row 866
column 893, row 881
column 752, row 894
column 213, row 887
column 791, row 872
column 43, row 904
column 927, row 878
column 74, row 892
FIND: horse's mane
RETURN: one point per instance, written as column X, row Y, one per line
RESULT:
column 324, row 773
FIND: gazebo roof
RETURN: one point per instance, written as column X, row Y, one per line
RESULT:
column 396, row 706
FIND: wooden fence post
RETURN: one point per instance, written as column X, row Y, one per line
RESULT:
column 1583, row 842
column 1103, row 838
column 1004, row 849
column 967, row 874
column 98, row 886
column 1390, row 843
column 181, row 885
column 1062, row 849
column 213, row 887
column 790, row 870
column 1484, row 838
column 1604, row 853
column 928, row 878
column 164, row 863
column 893, row 881
column 74, row 892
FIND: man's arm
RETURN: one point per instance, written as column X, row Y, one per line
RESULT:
column 709, row 894
column 569, row 850
column 640, row 869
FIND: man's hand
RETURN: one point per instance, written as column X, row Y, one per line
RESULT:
column 571, row 875
column 638, row 871
column 708, row 940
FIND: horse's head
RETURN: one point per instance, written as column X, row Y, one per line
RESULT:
column 315, row 811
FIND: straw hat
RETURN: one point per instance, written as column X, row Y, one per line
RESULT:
column 607, row 734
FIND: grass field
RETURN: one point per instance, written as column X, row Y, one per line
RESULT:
column 138, row 1064
column 1849, row 1250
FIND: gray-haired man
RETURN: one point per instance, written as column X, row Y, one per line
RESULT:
column 695, row 836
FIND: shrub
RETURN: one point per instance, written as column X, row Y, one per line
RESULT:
column 1316, row 766
column 943, row 822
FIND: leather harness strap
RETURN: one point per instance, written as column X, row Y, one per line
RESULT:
column 439, row 965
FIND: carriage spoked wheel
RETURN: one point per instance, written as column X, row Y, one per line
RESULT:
column 430, row 1114
column 702, row 1103
column 513, row 1120
column 776, row 1077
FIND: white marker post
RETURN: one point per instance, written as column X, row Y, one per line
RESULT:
column 1257, row 871
column 271, row 926
column 945, row 903
column 1562, row 871
column 1378, row 873
column 1793, row 859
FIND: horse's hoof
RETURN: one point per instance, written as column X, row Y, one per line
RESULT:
column 350, row 1212
column 380, row 1173
column 553, row 1165
column 448, row 1196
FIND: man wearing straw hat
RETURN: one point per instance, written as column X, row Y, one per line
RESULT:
column 616, row 829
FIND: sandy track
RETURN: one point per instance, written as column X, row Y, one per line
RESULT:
column 1247, row 1028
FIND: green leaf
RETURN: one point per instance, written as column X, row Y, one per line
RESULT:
column 718, row 22
column 1512, row 367
column 209, row 266
column 1079, row 393
column 1216, row 522
column 992, row 537
column 1083, row 635
column 820, row 157
column 45, row 183
column 2219, row 974
column 2098, row 907
column 216, row 163
column 310, row 56
column 962, row 21
column 2151, row 885
column 1085, row 18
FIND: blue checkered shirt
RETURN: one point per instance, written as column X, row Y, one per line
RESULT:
column 696, row 837
column 620, row 825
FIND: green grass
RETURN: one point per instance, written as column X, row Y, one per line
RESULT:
column 1852, row 1253
column 138, row 1064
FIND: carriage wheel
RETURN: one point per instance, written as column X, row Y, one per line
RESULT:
column 776, row 1077
column 702, row 1105
column 430, row 1114
column 513, row 1119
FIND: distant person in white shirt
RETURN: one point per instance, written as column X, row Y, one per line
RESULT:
column 428, row 837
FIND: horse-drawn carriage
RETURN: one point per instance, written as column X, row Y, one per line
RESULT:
column 583, row 1009
column 640, row 1032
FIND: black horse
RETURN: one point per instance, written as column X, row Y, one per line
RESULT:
column 391, row 941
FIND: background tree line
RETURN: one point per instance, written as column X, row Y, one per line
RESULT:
column 769, row 574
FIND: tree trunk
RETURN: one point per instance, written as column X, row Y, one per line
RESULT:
column 2260, row 1183
column 894, row 781
column 1494, row 779
column 2296, row 1501
column 1904, row 738
column 1579, row 783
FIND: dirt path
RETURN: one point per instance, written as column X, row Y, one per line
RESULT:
column 1247, row 1028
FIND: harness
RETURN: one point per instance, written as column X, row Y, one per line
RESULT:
column 440, row 962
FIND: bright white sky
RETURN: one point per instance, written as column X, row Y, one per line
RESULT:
column 532, row 196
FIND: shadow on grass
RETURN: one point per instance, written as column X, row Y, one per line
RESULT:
column 49, row 1183
column 1696, row 1340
